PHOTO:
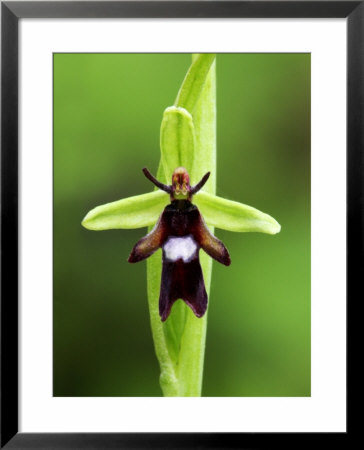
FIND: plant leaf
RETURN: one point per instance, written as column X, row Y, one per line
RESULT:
column 234, row 216
column 194, row 81
column 177, row 140
column 192, row 345
column 132, row 212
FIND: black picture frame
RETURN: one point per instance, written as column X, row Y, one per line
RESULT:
column 11, row 12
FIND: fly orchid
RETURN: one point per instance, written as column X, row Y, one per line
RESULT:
column 181, row 232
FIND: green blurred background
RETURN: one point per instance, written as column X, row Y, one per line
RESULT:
column 107, row 115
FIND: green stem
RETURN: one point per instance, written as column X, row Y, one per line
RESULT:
column 191, row 360
column 180, row 341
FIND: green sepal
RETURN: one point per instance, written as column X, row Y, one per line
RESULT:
column 132, row 212
column 234, row 216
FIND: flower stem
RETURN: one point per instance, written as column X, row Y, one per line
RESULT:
column 191, row 360
column 180, row 341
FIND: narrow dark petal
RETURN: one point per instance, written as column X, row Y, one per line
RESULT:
column 217, row 250
column 137, row 255
column 200, row 184
column 159, row 185
column 149, row 243
column 209, row 243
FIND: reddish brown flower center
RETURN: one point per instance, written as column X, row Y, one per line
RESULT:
column 180, row 183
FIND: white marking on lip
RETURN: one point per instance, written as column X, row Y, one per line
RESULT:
column 180, row 248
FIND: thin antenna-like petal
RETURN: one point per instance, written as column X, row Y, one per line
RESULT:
column 200, row 184
column 159, row 185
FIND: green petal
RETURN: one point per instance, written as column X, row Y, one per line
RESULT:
column 234, row 216
column 132, row 212
column 177, row 140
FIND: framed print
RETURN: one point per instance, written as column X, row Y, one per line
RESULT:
column 141, row 141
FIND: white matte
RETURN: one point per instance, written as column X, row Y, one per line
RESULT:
column 325, row 410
